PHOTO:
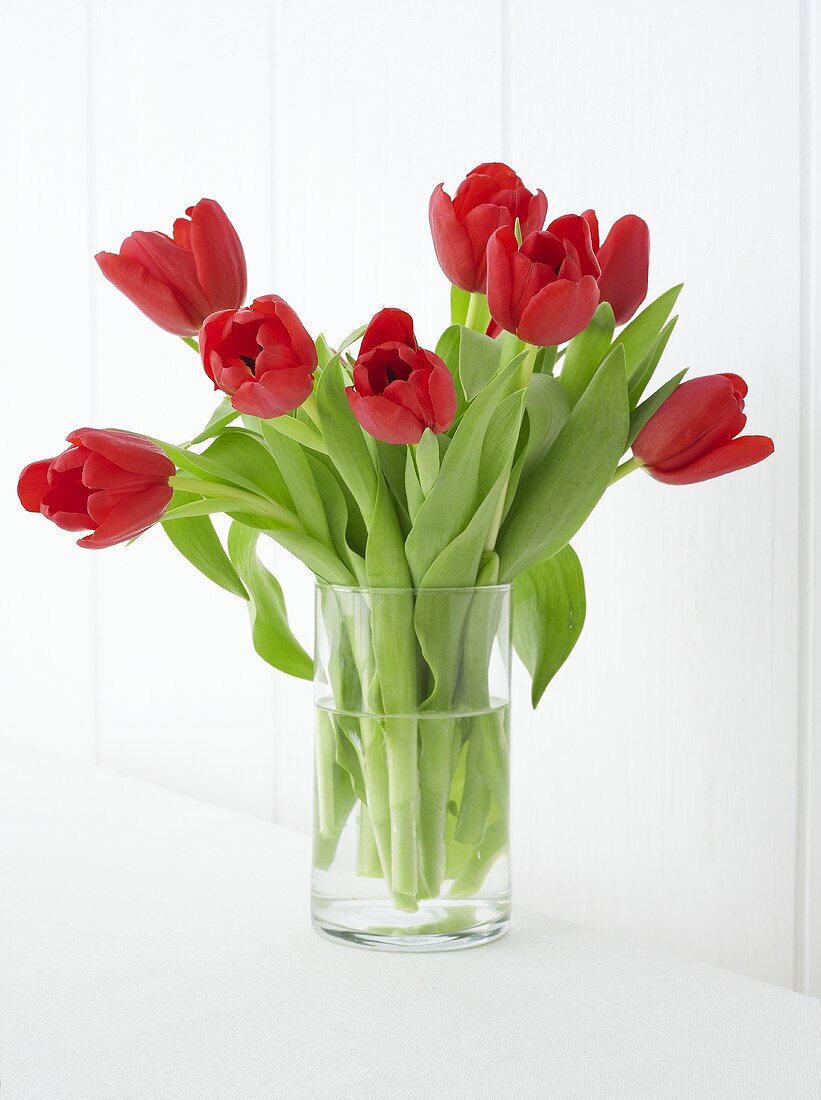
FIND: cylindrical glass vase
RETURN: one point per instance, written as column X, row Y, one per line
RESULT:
column 411, row 766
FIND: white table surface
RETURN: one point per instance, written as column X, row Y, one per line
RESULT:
column 153, row 946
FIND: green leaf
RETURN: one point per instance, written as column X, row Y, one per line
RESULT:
column 197, row 541
column 336, row 512
column 427, row 460
column 292, row 463
column 479, row 360
column 447, row 348
column 392, row 458
column 206, row 506
column 557, row 496
column 453, row 499
column 272, row 636
column 459, row 302
column 585, row 352
column 220, row 418
column 548, row 408
column 347, row 444
column 298, row 430
column 351, row 338
column 242, row 455
column 549, row 609
column 324, row 351
column 206, row 467
column 639, row 379
column 413, row 490
column 642, row 413
column 637, row 338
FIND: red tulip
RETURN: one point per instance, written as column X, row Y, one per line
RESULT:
column 624, row 259
column 261, row 356
column 112, row 483
column 545, row 291
column 399, row 388
column 178, row 282
column 491, row 196
column 692, row 437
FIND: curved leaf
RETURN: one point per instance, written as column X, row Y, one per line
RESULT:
column 196, row 540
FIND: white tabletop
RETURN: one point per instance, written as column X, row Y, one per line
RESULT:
column 153, row 946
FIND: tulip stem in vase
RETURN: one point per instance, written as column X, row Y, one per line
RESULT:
column 432, row 493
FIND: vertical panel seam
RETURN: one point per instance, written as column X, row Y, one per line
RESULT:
column 274, row 732
column 806, row 491
column 93, row 397
column 504, row 82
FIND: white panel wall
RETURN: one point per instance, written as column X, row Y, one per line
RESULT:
column 661, row 790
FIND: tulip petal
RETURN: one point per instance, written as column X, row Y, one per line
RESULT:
column 501, row 249
column 536, row 214
column 451, row 242
column 389, row 325
column 573, row 228
column 100, row 473
column 559, row 312
column 171, row 265
column 442, row 397
column 593, row 223
column 218, row 256
column 33, row 484
column 383, row 419
column 130, row 452
column 133, row 515
column 274, row 393
column 745, row 451
column 148, row 294
column 625, row 260
column 480, row 224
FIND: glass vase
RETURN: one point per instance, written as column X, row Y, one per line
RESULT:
column 411, row 766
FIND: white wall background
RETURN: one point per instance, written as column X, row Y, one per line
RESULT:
column 664, row 789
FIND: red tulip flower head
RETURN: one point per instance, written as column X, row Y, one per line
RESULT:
column 692, row 437
column 490, row 197
column 178, row 281
column 546, row 290
column 261, row 356
column 624, row 259
column 113, row 484
column 399, row 388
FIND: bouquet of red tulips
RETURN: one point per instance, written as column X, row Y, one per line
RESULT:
column 386, row 464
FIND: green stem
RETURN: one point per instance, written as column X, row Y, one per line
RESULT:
column 478, row 315
column 403, row 793
column 436, row 763
column 231, row 492
column 473, row 874
column 368, row 864
column 626, row 468
column 192, row 343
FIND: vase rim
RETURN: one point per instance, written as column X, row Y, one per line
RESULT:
column 413, row 591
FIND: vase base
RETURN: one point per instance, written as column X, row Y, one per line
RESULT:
column 438, row 925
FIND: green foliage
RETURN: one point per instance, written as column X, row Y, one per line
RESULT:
column 641, row 414
column 548, row 615
column 638, row 337
column 556, row 497
column 272, row 636
column 586, row 351
column 197, row 540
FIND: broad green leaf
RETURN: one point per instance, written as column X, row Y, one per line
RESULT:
column 556, row 497
column 639, row 379
column 197, row 541
column 548, row 615
column 336, row 512
column 637, row 338
column 243, row 455
column 548, row 408
column 299, row 430
column 320, row 558
column 447, row 348
column 220, row 418
column 295, row 469
column 392, row 460
column 324, row 351
column 347, row 444
column 479, row 360
column 205, row 467
column 453, row 499
column 427, row 460
column 585, row 352
column 413, row 490
column 642, row 413
column 459, row 302
column 272, row 636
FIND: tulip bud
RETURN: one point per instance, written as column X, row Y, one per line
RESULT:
column 399, row 388
column 490, row 197
column 112, row 483
column 177, row 282
column 624, row 259
column 261, row 356
column 692, row 437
